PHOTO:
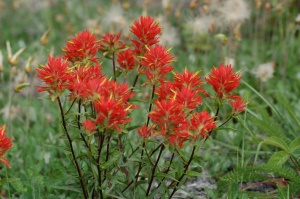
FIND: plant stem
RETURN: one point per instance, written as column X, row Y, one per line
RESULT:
column 72, row 150
column 70, row 107
column 139, row 169
column 154, row 168
column 78, row 126
column 114, row 66
column 227, row 120
column 167, row 170
column 184, row 173
column 100, row 145
column 295, row 164
column 150, row 106
column 107, row 154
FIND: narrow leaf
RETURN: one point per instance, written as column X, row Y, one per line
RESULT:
column 278, row 142
column 114, row 158
column 278, row 158
column 295, row 144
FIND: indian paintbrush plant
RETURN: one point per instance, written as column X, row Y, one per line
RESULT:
column 137, row 132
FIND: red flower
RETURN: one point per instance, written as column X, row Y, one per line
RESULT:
column 224, row 80
column 111, row 113
column 82, row 48
column 189, row 80
column 145, row 131
column 111, row 43
column 56, row 75
column 156, row 63
column 89, row 126
column 189, row 99
column 126, row 60
column 238, row 104
column 176, row 139
column 169, row 117
column 146, row 30
column 80, row 85
column 165, row 91
column 112, row 104
column 202, row 123
column 5, row 145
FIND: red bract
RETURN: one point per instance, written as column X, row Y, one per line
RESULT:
column 89, row 126
column 238, row 105
column 224, row 80
column 202, row 123
column 165, row 91
column 111, row 43
column 112, row 104
column 146, row 30
column 177, row 139
column 126, row 60
column 189, row 80
column 169, row 118
column 111, row 113
column 82, row 48
column 145, row 131
column 80, row 85
column 5, row 145
column 189, row 99
column 156, row 64
column 56, row 75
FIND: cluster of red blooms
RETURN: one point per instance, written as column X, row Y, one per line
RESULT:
column 174, row 116
column 5, row 145
column 79, row 72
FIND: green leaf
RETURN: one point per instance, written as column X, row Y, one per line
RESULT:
column 118, row 73
column 114, row 158
column 288, row 107
column 295, row 144
column 164, row 175
column 278, row 142
column 244, row 125
column 194, row 174
column 279, row 158
column 264, row 99
column 67, row 188
column 181, row 154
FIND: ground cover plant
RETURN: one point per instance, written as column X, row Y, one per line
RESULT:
column 255, row 154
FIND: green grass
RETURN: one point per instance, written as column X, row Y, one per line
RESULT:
column 41, row 167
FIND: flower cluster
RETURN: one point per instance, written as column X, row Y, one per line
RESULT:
column 5, row 145
column 82, row 48
column 79, row 72
column 224, row 81
column 177, row 114
column 172, row 116
column 146, row 30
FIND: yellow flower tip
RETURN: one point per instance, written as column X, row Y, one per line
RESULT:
column 169, row 49
column 141, row 57
column 13, row 60
column 1, row 62
column 19, row 87
column 9, row 53
column 41, row 65
column 45, row 37
column 28, row 66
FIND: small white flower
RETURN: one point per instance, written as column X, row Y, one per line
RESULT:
column 297, row 19
column 115, row 20
column 201, row 25
column 234, row 11
column 169, row 35
column 229, row 61
column 265, row 71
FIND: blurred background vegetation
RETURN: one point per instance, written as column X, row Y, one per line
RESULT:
column 259, row 37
